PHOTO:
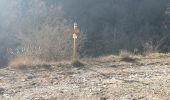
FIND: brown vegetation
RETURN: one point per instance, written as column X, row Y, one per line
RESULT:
column 24, row 61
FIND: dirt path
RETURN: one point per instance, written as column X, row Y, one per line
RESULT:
column 147, row 79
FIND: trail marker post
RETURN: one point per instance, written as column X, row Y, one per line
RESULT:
column 75, row 32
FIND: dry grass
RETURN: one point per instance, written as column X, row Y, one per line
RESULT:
column 157, row 55
column 113, row 58
column 110, row 58
column 28, row 61
column 22, row 62
column 125, row 54
column 129, row 59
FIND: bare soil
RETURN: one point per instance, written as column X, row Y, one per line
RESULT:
column 143, row 79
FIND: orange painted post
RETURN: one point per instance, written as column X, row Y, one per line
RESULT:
column 75, row 37
column 74, row 49
column 75, row 32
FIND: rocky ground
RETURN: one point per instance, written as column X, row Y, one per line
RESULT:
column 141, row 79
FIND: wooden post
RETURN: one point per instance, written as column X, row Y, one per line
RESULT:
column 74, row 44
column 74, row 49
column 74, row 32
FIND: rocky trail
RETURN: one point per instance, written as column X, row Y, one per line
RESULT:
column 146, row 79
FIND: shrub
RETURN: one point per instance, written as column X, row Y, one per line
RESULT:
column 129, row 59
column 77, row 63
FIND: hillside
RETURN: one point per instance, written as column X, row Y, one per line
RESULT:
column 39, row 28
column 120, row 50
